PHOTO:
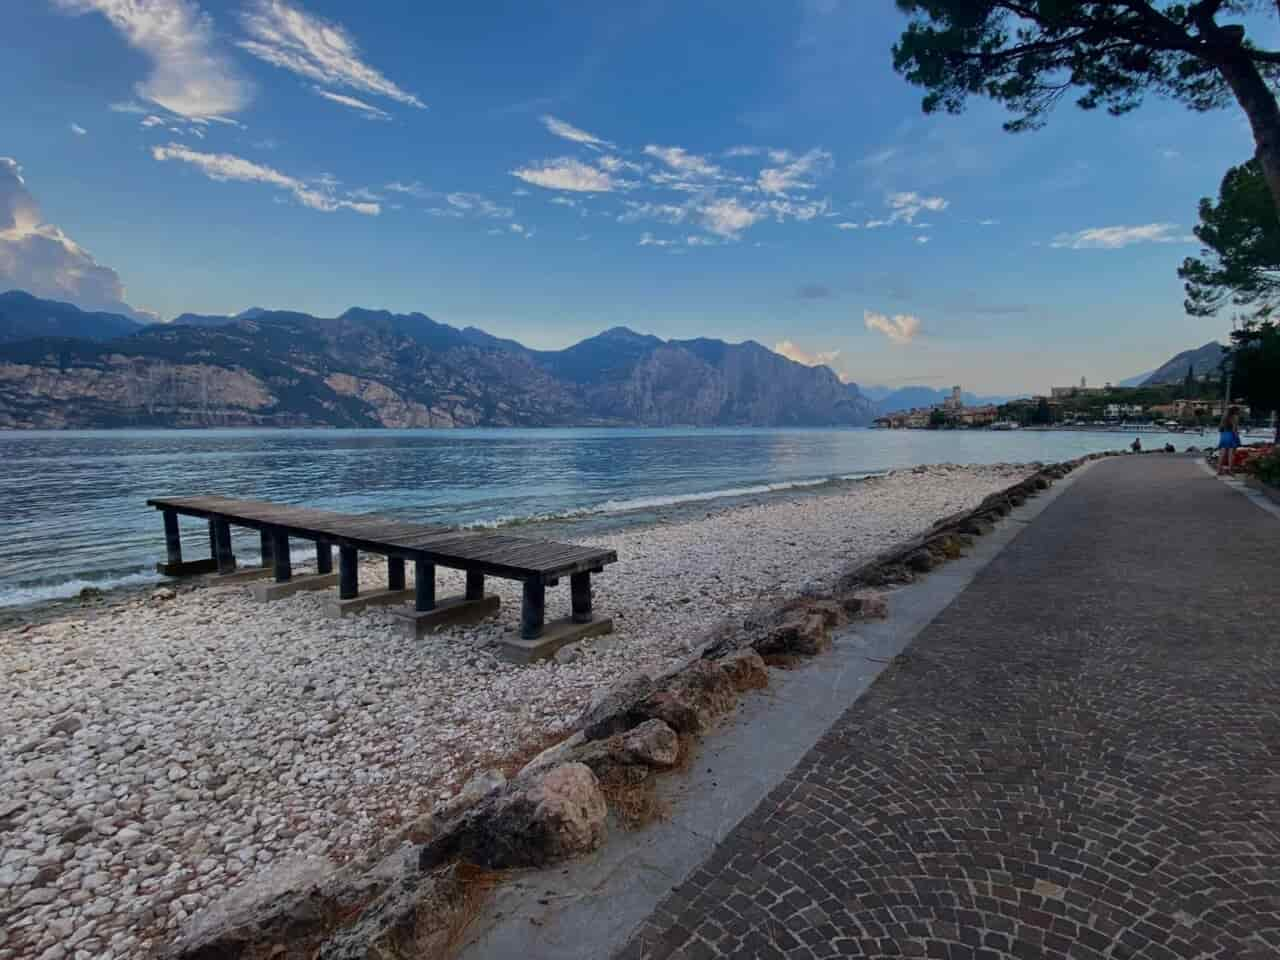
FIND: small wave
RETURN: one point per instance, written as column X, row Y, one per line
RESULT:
column 609, row 507
column 19, row 596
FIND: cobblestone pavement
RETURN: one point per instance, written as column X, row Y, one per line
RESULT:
column 1079, row 758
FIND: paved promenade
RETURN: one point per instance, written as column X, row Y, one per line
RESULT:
column 1079, row 758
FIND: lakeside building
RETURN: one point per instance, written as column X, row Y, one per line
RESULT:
column 953, row 413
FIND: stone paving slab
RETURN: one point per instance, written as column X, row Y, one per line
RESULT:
column 1078, row 758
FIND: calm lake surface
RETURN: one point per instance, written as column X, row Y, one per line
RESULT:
column 73, row 513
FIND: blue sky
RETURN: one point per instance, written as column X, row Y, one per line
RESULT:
column 547, row 170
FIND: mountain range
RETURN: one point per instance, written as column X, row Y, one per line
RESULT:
column 1201, row 361
column 61, row 367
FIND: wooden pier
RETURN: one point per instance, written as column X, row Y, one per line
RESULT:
column 537, row 564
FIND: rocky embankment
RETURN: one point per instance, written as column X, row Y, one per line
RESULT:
column 159, row 756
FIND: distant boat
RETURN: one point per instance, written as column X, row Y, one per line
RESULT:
column 1005, row 425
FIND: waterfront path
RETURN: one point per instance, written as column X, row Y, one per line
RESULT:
column 1078, row 758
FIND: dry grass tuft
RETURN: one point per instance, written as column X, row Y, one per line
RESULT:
column 635, row 803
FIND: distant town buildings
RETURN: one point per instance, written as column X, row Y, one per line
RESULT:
column 952, row 412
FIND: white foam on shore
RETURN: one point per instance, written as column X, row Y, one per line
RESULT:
column 43, row 592
column 609, row 507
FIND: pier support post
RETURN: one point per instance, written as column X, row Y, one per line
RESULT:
column 324, row 558
column 222, row 544
column 395, row 573
column 424, row 585
column 533, row 608
column 348, row 573
column 580, row 597
column 475, row 585
column 280, row 556
column 266, row 546
column 172, row 538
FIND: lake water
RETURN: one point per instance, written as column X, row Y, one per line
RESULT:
column 73, row 513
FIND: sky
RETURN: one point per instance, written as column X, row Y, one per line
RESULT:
column 547, row 170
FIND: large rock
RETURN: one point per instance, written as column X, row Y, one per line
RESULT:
column 745, row 669
column 481, row 785
column 557, row 814
column 691, row 701
column 800, row 633
column 653, row 744
column 612, row 710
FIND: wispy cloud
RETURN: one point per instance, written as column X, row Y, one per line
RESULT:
column 189, row 76
column 793, row 351
column 225, row 167
column 907, row 206
column 414, row 189
column 128, row 106
column 922, row 240
column 727, row 217
column 988, row 222
column 40, row 258
column 683, row 162
column 78, row 130
column 743, row 151
column 649, row 240
column 795, row 173
column 665, row 212
column 848, row 225
column 566, row 173
column 478, row 205
column 322, row 51
column 569, row 132
column 900, row 328
column 1113, row 238
column 368, row 109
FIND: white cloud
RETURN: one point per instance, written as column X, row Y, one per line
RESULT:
column 617, row 164
column 683, row 162
column 78, row 130
column 414, row 189
column 728, row 218
column 368, row 109
column 665, row 212
column 320, row 50
column 566, row 173
column 569, row 132
column 520, row 192
column 515, row 228
column 743, row 151
column 151, row 120
column 695, row 240
column 128, row 106
column 900, row 328
column 793, row 351
column 847, row 225
column 922, row 240
column 39, row 258
column 479, row 205
column 988, row 223
column 906, row 206
column 649, row 240
column 1113, row 238
column 189, row 74
column 876, row 224
column 226, row 166
column 802, row 211
column 795, row 173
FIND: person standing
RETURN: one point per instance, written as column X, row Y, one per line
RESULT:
column 1228, row 439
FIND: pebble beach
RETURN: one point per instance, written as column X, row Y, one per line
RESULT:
column 171, row 748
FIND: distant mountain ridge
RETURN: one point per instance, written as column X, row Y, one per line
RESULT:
column 1206, row 359
column 23, row 317
column 377, row 368
column 908, row 398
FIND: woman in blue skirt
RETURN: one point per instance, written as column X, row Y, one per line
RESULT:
column 1228, row 439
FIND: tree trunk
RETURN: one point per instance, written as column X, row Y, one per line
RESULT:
column 1259, row 104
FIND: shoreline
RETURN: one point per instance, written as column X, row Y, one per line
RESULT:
column 168, row 747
